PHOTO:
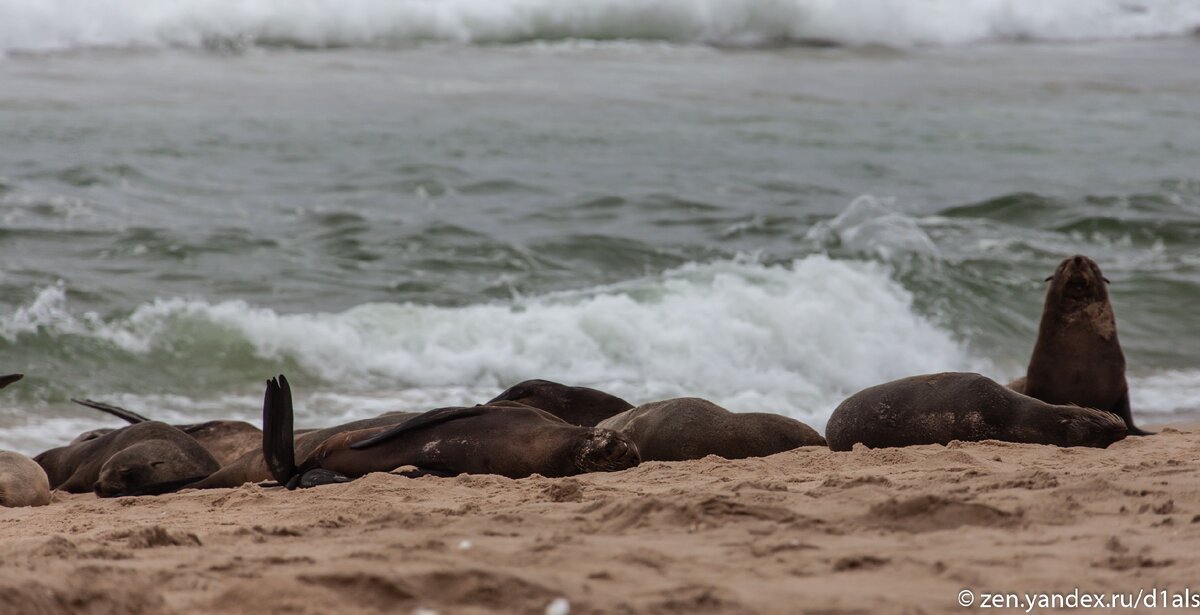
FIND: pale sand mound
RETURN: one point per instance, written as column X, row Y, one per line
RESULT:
column 894, row 530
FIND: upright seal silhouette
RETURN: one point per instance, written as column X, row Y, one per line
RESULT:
column 1077, row 358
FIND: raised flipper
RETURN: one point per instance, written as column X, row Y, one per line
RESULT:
column 9, row 379
column 427, row 419
column 1126, row 413
column 278, row 447
column 128, row 416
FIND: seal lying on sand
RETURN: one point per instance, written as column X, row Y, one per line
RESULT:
column 143, row 459
column 252, row 466
column 938, row 408
column 691, row 428
column 508, row 439
column 575, row 405
column 226, row 440
column 1077, row 358
column 22, row 481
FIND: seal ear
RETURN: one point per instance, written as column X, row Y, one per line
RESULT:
column 1106, row 280
column 1048, row 279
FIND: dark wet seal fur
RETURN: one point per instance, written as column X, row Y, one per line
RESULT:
column 1077, row 358
column 227, row 440
column 691, row 428
column 9, row 379
column 938, row 408
column 142, row 459
column 575, row 405
column 508, row 439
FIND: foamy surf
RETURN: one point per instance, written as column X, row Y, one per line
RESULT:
column 793, row 338
column 57, row 25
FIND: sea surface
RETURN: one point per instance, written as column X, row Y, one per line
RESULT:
column 407, row 204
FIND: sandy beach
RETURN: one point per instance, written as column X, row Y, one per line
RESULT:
column 807, row 531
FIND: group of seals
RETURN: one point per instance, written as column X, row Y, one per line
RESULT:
column 1074, row 392
column 505, row 438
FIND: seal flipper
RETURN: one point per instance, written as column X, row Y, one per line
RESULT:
column 427, row 419
column 278, row 447
column 9, row 379
column 170, row 486
column 1126, row 413
column 128, row 416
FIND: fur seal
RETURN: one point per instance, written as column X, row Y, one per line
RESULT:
column 252, row 466
column 22, row 481
column 226, row 440
column 1077, row 358
column 9, row 379
column 143, row 459
column 938, row 408
column 576, row 405
column 691, row 428
column 508, row 439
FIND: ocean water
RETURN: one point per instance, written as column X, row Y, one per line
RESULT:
column 400, row 205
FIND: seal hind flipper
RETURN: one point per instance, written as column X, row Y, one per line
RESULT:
column 278, row 447
column 1124, row 411
column 427, row 419
column 128, row 416
column 9, row 379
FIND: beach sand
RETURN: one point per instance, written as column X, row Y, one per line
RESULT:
column 808, row 531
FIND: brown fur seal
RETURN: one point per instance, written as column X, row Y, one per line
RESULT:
column 22, row 481
column 1077, row 358
column 576, row 405
column 142, row 459
column 938, row 408
column 226, row 440
column 691, row 428
column 252, row 466
column 508, row 439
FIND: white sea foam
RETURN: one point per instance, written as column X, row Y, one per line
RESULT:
column 55, row 25
column 793, row 339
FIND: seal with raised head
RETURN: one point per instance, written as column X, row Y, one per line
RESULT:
column 22, row 481
column 143, row 459
column 691, row 428
column 1077, row 358
column 576, row 405
column 506, row 438
column 938, row 408
column 227, row 440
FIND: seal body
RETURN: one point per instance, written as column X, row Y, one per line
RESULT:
column 505, row 438
column 145, row 458
column 22, row 481
column 1077, row 358
column 939, row 408
column 576, row 405
column 691, row 428
column 227, row 440
column 251, row 467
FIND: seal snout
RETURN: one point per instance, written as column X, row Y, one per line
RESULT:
column 609, row 451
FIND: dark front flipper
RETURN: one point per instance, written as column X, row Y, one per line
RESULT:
column 9, row 379
column 427, row 419
column 278, row 446
column 128, row 416
column 1123, row 410
column 317, row 477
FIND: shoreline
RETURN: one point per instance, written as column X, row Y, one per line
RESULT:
column 903, row 530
